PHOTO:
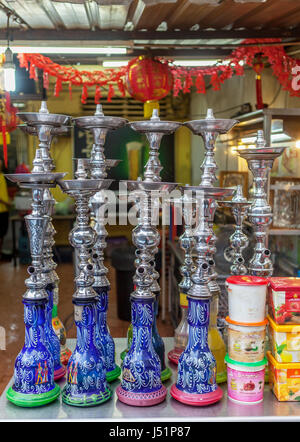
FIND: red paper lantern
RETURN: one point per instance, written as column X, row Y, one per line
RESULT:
column 148, row 79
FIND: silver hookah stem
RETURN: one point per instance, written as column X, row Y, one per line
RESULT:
column 238, row 240
column 153, row 166
column 209, row 165
column 187, row 243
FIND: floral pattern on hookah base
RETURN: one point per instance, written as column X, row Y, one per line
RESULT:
column 197, row 365
column 34, row 366
column 104, row 339
column 52, row 341
column 141, row 366
column 86, row 375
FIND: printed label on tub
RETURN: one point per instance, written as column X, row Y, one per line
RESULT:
column 246, row 347
column 245, row 386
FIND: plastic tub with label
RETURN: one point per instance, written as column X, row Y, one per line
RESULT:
column 247, row 298
column 245, row 382
column 246, row 343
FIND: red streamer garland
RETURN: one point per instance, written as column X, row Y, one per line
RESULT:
column 183, row 78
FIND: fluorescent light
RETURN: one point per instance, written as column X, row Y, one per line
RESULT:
column 114, row 64
column 9, row 72
column 275, row 137
column 195, row 62
column 65, row 50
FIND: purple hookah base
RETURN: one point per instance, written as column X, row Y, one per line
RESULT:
column 196, row 399
column 141, row 399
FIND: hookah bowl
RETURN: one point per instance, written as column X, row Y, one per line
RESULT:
column 154, row 129
column 141, row 369
column 196, row 379
column 86, row 372
column 260, row 161
column 34, row 367
column 209, row 129
column 238, row 240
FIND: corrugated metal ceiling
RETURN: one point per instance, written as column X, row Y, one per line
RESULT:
column 149, row 14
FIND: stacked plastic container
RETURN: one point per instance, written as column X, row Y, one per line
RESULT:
column 247, row 321
column 284, row 333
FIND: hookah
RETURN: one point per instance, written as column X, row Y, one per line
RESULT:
column 238, row 240
column 86, row 372
column 142, row 367
column 187, row 243
column 35, row 366
column 154, row 129
column 99, row 125
column 197, row 367
column 260, row 161
column 46, row 126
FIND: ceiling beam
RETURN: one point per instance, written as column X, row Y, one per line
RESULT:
column 83, row 35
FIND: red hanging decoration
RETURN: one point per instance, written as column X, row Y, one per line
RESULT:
column 148, row 79
column 84, row 94
column 111, row 92
column 258, row 68
column 8, row 121
column 97, row 95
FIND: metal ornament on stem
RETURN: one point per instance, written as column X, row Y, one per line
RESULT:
column 238, row 240
column 99, row 125
column 260, row 161
column 46, row 126
column 187, row 243
column 86, row 375
column 34, row 367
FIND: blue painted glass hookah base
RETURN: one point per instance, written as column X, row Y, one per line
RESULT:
column 86, row 374
column 52, row 340
column 104, row 339
column 196, row 379
column 141, row 369
column 158, row 345
column 34, row 367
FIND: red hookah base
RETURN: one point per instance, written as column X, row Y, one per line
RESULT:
column 141, row 399
column 58, row 374
column 197, row 400
column 174, row 356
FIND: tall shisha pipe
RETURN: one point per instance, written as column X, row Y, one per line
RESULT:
column 260, row 161
column 46, row 126
column 99, row 125
column 197, row 369
column 142, row 366
column 86, row 376
column 35, row 364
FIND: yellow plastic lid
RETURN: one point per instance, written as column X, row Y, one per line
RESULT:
column 282, row 365
column 288, row 328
